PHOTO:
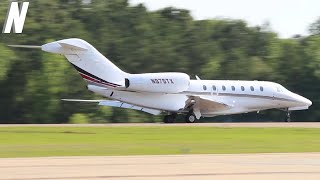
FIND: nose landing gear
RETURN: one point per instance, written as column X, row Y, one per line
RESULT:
column 288, row 117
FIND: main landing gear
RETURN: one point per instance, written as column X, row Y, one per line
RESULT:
column 190, row 118
column 288, row 117
column 169, row 118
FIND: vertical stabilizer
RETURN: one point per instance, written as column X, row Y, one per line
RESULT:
column 89, row 62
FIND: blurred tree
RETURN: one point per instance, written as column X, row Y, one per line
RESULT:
column 33, row 82
column 7, row 57
column 315, row 28
column 79, row 119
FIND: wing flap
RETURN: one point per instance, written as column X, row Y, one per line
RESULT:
column 206, row 105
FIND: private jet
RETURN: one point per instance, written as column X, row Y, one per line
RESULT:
column 171, row 93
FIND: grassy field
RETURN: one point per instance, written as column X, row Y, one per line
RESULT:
column 78, row 141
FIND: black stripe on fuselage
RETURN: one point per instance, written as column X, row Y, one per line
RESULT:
column 92, row 76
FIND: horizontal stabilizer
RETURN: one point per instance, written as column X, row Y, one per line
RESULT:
column 26, row 46
column 73, row 46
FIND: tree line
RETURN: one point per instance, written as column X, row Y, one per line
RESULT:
column 139, row 41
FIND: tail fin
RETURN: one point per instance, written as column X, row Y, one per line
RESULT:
column 89, row 62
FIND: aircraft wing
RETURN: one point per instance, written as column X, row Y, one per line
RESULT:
column 203, row 105
column 117, row 104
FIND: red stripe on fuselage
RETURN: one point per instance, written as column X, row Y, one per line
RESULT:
column 94, row 80
column 87, row 77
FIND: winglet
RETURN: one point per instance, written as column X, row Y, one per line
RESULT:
column 197, row 77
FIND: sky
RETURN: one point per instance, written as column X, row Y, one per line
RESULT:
column 287, row 17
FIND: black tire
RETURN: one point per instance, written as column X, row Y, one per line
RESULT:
column 190, row 118
column 168, row 119
column 165, row 119
column 288, row 117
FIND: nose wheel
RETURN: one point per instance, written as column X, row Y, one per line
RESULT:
column 288, row 117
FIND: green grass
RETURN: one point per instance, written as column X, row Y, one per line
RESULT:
column 89, row 141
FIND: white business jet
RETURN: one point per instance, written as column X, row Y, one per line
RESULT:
column 171, row 92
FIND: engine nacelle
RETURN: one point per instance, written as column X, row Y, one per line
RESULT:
column 158, row 82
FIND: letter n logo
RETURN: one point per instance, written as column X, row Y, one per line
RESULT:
column 16, row 17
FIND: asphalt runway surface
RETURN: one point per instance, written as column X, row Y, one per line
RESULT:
column 259, row 124
column 238, row 166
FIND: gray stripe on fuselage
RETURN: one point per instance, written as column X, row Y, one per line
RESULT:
column 217, row 94
column 238, row 95
column 96, row 84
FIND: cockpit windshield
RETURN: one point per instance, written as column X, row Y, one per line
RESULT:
column 280, row 88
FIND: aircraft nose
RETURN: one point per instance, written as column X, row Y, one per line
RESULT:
column 307, row 102
column 304, row 101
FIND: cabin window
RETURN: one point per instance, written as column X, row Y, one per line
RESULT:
column 204, row 87
column 223, row 88
column 252, row 88
column 214, row 88
column 233, row 88
column 261, row 88
column 242, row 88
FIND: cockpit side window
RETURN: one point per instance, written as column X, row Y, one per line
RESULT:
column 280, row 88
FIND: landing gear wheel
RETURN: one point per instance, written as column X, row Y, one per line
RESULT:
column 190, row 118
column 169, row 118
column 288, row 118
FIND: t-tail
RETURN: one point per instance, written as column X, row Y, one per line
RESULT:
column 87, row 60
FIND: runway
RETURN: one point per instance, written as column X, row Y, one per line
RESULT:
column 173, row 167
column 255, row 124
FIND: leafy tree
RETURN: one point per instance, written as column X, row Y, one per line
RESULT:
column 79, row 119
column 315, row 28
column 33, row 82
